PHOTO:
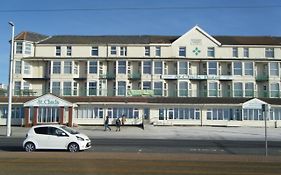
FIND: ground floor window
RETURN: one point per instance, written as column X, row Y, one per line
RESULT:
column 48, row 114
column 179, row 114
column 17, row 112
column 90, row 112
column 275, row 114
column 252, row 114
column 224, row 114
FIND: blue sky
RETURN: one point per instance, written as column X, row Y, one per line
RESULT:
column 120, row 17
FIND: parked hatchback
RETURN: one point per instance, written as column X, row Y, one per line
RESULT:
column 55, row 137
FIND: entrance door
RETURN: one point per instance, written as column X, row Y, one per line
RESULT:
column 166, row 116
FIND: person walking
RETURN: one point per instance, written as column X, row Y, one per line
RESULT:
column 106, row 121
column 123, row 119
column 118, row 124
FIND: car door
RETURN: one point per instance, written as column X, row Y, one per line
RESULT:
column 41, row 137
column 58, row 139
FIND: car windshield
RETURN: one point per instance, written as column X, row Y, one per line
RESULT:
column 70, row 130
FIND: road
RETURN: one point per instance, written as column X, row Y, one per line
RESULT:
column 166, row 146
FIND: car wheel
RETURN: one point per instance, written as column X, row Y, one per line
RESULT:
column 73, row 147
column 29, row 147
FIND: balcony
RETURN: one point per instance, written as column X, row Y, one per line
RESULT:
column 146, row 92
column 134, row 76
column 197, row 77
column 262, row 78
column 109, row 76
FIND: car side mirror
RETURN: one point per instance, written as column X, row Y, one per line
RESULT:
column 62, row 134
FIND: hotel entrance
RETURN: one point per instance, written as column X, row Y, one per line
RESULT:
column 48, row 109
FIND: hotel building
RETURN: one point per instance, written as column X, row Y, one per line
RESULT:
column 193, row 79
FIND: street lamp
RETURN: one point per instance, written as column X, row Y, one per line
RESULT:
column 10, row 82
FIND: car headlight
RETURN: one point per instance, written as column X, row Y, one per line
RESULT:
column 79, row 138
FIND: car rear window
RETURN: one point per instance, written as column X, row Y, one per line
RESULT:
column 41, row 130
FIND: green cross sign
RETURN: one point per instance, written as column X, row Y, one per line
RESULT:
column 196, row 51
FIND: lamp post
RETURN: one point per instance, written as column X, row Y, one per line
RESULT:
column 10, row 82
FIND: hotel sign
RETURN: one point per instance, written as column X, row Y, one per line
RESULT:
column 198, row 77
column 48, row 100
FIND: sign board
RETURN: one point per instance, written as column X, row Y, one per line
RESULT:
column 48, row 100
column 253, row 104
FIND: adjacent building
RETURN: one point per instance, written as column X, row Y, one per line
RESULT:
column 193, row 79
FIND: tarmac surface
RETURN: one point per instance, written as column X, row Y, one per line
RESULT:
column 170, row 132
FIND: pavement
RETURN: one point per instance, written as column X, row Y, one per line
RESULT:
column 170, row 132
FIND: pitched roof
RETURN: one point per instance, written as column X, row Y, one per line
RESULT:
column 114, row 39
column 30, row 36
column 248, row 40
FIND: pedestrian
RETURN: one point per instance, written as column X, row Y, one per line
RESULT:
column 118, row 124
column 106, row 121
column 123, row 119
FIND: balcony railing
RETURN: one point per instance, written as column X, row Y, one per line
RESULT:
column 134, row 76
column 262, row 78
column 107, row 76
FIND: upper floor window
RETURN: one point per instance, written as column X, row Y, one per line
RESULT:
column 238, row 89
column 211, row 52
column 123, row 51
column 237, row 68
column 147, row 67
column 68, row 50
column 234, row 52
column 274, row 71
column 212, row 67
column 27, row 48
column 213, row 89
column 158, row 88
column 58, row 50
column 67, row 88
column 93, row 67
column 121, row 67
column 246, row 52
column 56, row 67
column 121, row 88
column 146, row 85
column 274, row 90
column 158, row 51
column 19, row 48
column 95, row 51
column 67, row 67
column 183, row 67
column 56, row 87
column 248, row 68
column 269, row 52
column 113, row 50
column 182, row 51
column 26, row 85
column 18, row 67
column 26, row 68
column 147, row 51
column 158, row 67
column 93, row 88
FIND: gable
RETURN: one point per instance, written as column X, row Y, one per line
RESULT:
column 253, row 104
column 48, row 100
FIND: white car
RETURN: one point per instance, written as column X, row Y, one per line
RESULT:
column 55, row 137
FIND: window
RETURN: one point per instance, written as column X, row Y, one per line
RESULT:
column 147, row 51
column 182, row 51
column 183, row 67
column 56, row 67
column 68, row 50
column 92, row 88
column 212, row 69
column 67, row 88
column 234, row 52
column 246, row 52
column 17, row 87
column 67, row 67
column 19, row 48
column 158, row 51
column 158, row 87
column 121, row 88
column 213, row 89
column 18, row 67
column 274, row 90
column 237, row 68
column 95, row 51
column 158, row 67
column 58, row 51
column 146, row 85
column 211, row 52
column 113, row 50
column 27, row 48
column 41, row 130
column 93, row 67
column 274, row 71
column 56, row 88
column 183, row 89
column 238, row 90
column 269, row 52
column 249, row 89
column 123, row 51
column 26, row 68
column 121, row 67
column 147, row 67
column 249, row 68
